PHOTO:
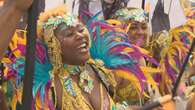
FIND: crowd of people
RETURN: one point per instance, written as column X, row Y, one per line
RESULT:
column 87, row 62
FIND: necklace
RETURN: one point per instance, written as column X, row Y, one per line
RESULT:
column 86, row 83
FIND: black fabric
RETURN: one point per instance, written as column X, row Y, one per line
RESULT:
column 41, row 6
column 160, row 20
column 143, row 4
column 110, row 9
column 84, row 6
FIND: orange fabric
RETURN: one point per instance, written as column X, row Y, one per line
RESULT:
column 169, row 105
column 193, row 103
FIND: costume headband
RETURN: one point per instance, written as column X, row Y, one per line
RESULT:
column 136, row 14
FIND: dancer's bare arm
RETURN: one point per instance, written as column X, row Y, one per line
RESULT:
column 10, row 14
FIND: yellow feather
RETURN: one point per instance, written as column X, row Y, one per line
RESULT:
column 38, row 103
column 117, row 24
column 14, row 102
column 150, row 70
column 127, row 29
column 6, row 60
column 173, row 64
column 144, row 51
column 128, row 50
column 129, row 77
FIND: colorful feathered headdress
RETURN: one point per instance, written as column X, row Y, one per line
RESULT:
column 172, row 55
column 114, row 49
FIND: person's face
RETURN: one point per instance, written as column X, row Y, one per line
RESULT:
column 74, row 42
column 137, row 31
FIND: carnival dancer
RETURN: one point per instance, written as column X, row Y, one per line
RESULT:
column 136, row 21
column 66, row 78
